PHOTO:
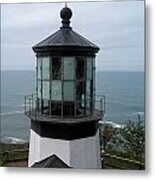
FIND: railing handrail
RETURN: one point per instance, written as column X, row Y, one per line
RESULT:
column 31, row 107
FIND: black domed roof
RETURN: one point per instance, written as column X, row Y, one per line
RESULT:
column 65, row 38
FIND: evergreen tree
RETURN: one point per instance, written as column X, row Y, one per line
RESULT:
column 133, row 134
column 106, row 135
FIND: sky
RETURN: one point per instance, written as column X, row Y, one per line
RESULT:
column 116, row 27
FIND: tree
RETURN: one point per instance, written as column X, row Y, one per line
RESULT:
column 133, row 135
column 106, row 135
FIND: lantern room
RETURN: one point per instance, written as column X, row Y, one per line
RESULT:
column 65, row 85
column 65, row 72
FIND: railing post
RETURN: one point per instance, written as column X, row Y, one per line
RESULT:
column 75, row 108
column 101, row 106
column 62, row 109
column 32, row 102
column 29, row 105
column 25, row 103
column 104, row 105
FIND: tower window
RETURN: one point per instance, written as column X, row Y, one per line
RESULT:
column 69, row 68
column 56, row 69
column 45, row 89
column 39, row 64
column 80, row 68
column 89, row 68
column 45, row 66
column 68, row 90
column 56, row 87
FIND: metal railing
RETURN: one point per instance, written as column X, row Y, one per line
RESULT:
column 116, row 162
column 77, row 109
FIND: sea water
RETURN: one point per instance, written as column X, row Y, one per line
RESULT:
column 124, row 93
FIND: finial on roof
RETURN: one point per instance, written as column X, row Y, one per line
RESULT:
column 66, row 14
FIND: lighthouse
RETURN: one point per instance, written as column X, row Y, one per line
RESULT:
column 63, row 112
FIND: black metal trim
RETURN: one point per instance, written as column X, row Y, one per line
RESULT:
column 65, row 131
column 65, row 51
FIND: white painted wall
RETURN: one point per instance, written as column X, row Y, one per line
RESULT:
column 40, row 148
column 85, row 153
column 80, row 153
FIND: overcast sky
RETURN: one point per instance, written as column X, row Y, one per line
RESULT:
column 116, row 27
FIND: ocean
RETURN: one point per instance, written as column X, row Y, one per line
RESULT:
column 124, row 93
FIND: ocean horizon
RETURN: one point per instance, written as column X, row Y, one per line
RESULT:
column 124, row 91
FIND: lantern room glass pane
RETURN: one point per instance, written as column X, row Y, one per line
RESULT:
column 45, row 89
column 39, row 89
column 93, row 79
column 45, row 106
column 39, row 62
column 69, row 91
column 56, row 68
column 56, row 90
column 69, row 68
column 93, row 62
column 80, row 92
column 45, row 68
column 88, row 96
column 80, row 68
column 88, row 90
column 89, row 68
column 39, row 104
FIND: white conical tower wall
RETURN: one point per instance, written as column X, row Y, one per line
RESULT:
column 80, row 153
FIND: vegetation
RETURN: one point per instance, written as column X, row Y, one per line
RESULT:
column 134, row 139
column 9, row 147
column 13, row 153
column 106, row 134
column 127, row 143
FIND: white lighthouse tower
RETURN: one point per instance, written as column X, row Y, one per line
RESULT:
column 64, row 119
